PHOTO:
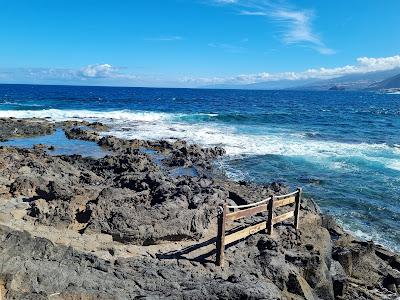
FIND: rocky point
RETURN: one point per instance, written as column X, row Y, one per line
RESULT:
column 125, row 226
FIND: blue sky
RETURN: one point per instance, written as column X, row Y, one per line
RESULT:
column 191, row 43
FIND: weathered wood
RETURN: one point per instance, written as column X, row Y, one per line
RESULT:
column 221, row 235
column 283, row 202
column 270, row 214
column 241, row 234
column 224, row 216
column 246, row 212
column 282, row 217
column 297, row 209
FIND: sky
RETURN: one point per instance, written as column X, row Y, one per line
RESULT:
column 191, row 43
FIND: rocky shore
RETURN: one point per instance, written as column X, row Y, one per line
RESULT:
column 140, row 222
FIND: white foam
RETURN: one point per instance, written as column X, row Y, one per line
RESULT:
column 394, row 165
column 19, row 104
column 330, row 153
column 158, row 125
column 371, row 235
column 62, row 115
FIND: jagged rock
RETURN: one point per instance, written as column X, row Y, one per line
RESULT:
column 10, row 128
column 123, row 279
column 85, row 124
column 117, row 144
column 186, row 155
column 339, row 278
column 26, row 185
column 345, row 258
column 136, row 217
column 298, row 285
column 130, row 198
column 39, row 147
column 81, row 134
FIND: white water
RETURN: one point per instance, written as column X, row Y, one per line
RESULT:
column 157, row 125
column 240, row 141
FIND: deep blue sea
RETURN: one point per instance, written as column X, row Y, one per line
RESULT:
column 343, row 147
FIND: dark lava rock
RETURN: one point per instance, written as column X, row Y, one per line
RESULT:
column 81, row 134
column 71, row 274
column 97, row 126
column 132, row 197
column 184, row 155
column 150, row 210
column 127, row 196
column 12, row 128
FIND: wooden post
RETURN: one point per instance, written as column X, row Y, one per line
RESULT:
column 270, row 225
column 222, row 211
column 297, row 208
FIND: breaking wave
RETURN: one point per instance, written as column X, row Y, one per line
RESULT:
column 159, row 125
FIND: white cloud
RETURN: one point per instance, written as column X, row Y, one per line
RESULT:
column 98, row 71
column 226, row 1
column 43, row 73
column 111, row 75
column 296, row 24
column 252, row 13
column 165, row 38
column 364, row 65
column 379, row 64
column 89, row 73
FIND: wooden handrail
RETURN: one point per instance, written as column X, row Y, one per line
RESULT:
column 251, row 210
column 283, row 201
column 250, row 205
column 221, row 234
column 246, row 212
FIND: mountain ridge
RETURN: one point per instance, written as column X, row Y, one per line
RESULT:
column 359, row 81
column 389, row 83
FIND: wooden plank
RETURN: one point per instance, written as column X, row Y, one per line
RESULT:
column 283, row 217
column 221, row 236
column 286, row 201
column 241, row 234
column 246, row 212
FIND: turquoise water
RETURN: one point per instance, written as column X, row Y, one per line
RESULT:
column 62, row 145
column 343, row 148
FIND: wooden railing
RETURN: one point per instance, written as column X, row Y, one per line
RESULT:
column 249, row 210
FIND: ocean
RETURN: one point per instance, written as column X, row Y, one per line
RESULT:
column 342, row 147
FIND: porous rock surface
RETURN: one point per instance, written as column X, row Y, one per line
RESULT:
column 11, row 128
column 121, row 227
column 126, row 196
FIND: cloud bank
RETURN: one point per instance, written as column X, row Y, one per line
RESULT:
column 90, row 74
column 363, row 65
column 107, row 74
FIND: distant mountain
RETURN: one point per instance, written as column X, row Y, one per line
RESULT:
column 389, row 83
column 279, row 84
column 266, row 85
column 350, row 82
column 337, row 88
column 347, row 82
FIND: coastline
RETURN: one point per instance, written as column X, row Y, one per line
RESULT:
column 130, row 211
column 351, row 168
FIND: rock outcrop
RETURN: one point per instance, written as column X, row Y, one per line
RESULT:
column 121, row 227
column 12, row 128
